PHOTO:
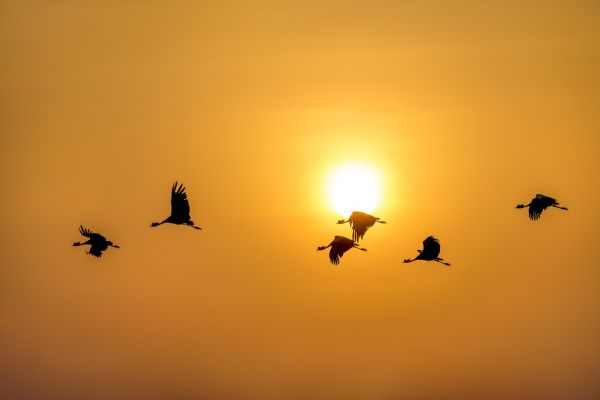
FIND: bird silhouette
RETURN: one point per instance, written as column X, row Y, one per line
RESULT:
column 96, row 240
column 360, row 222
column 538, row 204
column 339, row 246
column 430, row 252
column 180, row 208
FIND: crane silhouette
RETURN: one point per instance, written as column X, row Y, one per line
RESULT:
column 339, row 246
column 180, row 208
column 360, row 222
column 96, row 240
column 538, row 204
column 430, row 252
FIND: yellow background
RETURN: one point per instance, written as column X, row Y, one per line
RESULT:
column 467, row 108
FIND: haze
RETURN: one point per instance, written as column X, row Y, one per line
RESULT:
column 466, row 108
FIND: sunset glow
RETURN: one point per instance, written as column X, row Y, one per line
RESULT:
column 223, row 146
column 354, row 186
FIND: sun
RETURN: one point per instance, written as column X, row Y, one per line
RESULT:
column 354, row 186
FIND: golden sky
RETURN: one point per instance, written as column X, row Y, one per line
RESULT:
column 466, row 108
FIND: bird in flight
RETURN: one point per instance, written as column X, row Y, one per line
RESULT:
column 96, row 240
column 538, row 204
column 430, row 252
column 339, row 246
column 360, row 222
column 180, row 208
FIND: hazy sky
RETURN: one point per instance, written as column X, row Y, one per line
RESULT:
column 466, row 108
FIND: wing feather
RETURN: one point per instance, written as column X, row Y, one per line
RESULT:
column 360, row 223
column 334, row 256
column 89, row 234
column 431, row 247
column 339, row 246
column 85, row 232
column 180, row 207
column 538, row 205
column 95, row 250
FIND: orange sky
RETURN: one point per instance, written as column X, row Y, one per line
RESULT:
column 467, row 108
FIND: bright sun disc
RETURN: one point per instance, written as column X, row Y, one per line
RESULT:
column 354, row 187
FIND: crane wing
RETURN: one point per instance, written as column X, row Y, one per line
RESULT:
column 535, row 212
column 544, row 198
column 85, row 232
column 89, row 234
column 95, row 250
column 538, row 205
column 339, row 246
column 334, row 255
column 342, row 242
column 360, row 223
column 431, row 247
column 180, row 208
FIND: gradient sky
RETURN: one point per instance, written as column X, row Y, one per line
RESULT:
column 467, row 108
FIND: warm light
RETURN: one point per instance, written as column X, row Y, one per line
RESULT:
column 354, row 187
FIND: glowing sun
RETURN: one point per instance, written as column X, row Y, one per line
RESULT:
column 354, row 186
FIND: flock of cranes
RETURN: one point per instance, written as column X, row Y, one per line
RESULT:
column 180, row 215
column 359, row 221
